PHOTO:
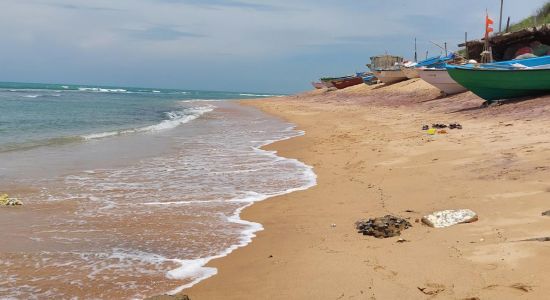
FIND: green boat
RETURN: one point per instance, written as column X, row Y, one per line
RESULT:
column 505, row 80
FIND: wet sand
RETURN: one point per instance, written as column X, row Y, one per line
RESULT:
column 373, row 159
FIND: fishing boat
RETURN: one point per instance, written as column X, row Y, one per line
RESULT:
column 370, row 79
column 411, row 69
column 440, row 79
column 386, row 68
column 505, row 80
column 318, row 85
column 327, row 81
column 390, row 76
column 344, row 82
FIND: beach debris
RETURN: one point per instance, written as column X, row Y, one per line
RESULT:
column 425, row 127
column 432, row 289
column 455, row 126
column 539, row 239
column 332, row 225
column 522, row 287
column 382, row 227
column 546, row 213
column 442, row 131
column 439, row 126
column 402, row 240
column 446, row 218
column 5, row 200
column 432, row 131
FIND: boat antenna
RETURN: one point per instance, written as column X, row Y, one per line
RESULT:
column 440, row 47
column 415, row 52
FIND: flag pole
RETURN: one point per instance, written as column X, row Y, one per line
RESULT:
column 500, row 19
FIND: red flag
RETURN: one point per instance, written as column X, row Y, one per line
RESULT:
column 488, row 23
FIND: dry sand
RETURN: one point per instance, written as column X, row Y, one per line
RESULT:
column 373, row 159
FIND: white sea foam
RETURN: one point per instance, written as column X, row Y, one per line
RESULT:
column 196, row 269
column 175, row 118
column 101, row 90
column 259, row 95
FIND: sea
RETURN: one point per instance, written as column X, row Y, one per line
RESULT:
column 130, row 192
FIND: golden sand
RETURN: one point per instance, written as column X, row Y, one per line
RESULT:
column 373, row 159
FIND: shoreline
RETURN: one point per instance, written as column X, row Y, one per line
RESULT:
column 368, row 160
column 249, row 234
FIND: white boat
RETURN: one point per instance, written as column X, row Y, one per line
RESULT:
column 390, row 76
column 441, row 80
column 410, row 72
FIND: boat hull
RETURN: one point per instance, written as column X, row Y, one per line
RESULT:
column 411, row 73
column 390, row 76
column 503, row 84
column 347, row 82
column 441, row 79
column 318, row 85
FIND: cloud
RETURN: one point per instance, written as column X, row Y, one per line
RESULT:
column 227, row 3
column 79, row 7
column 160, row 33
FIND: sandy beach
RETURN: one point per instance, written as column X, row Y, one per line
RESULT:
column 372, row 159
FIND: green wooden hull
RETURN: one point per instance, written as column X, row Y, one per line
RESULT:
column 503, row 84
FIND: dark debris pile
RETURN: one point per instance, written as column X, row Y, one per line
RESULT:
column 384, row 227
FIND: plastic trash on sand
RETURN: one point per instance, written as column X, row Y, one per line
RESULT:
column 446, row 218
column 432, row 131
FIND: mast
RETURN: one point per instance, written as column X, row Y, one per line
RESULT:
column 466, row 45
column 500, row 19
column 415, row 53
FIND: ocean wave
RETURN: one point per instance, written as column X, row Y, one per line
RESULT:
column 101, row 90
column 175, row 118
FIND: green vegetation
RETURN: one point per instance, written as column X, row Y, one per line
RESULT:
column 542, row 16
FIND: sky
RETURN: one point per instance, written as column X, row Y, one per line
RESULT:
column 276, row 46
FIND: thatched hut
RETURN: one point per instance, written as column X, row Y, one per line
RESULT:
column 506, row 45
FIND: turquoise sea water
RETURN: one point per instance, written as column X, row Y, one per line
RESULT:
column 34, row 114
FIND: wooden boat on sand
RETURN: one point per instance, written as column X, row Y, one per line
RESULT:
column 390, row 76
column 410, row 72
column 386, row 68
column 344, row 82
column 318, row 85
column 505, row 80
column 441, row 80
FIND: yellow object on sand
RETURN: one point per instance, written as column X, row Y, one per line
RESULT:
column 5, row 200
column 432, row 131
